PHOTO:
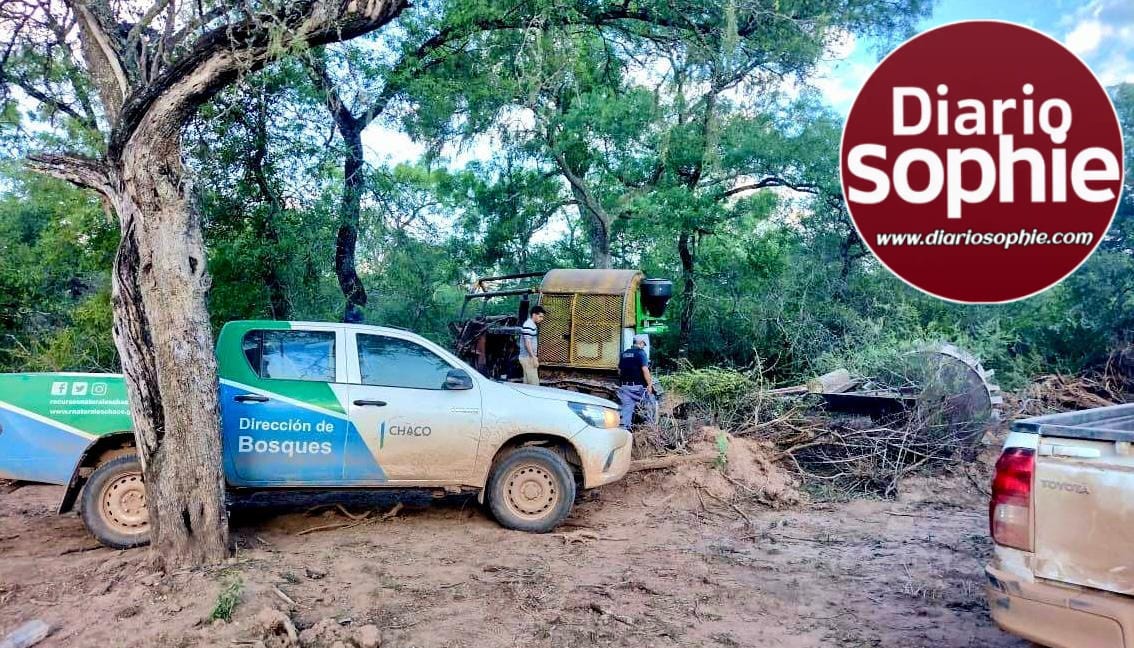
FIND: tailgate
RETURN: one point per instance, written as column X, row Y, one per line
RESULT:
column 1084, row 512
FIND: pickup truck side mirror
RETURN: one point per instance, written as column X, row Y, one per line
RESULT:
column 457, row 379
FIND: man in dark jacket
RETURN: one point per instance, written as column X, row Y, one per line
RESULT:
column 636, row 384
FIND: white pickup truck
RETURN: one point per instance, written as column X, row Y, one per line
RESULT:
column 1062, row 520
column 311, row 409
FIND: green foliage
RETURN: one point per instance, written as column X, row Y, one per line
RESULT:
column 712, row 387
column 229, row 597
column 720, row 443
column 56, row 248
column 523, row 98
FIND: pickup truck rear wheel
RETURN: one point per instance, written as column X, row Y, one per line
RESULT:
column 114, row 504
column 531, row 489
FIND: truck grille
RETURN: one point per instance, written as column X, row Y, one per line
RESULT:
column 581, row 330
column 555, row 333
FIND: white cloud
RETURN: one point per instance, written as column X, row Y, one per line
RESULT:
column 841, row 82
column 841, row 74
column 1114, row 70
column 1086, row 37
column 1101, row 32
column 383, row 144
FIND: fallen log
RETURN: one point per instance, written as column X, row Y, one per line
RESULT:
column 669, row 461
column 838, row 381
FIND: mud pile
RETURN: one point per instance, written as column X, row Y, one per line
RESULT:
column 740, row 469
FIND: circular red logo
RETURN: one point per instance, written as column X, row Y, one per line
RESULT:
column 982, row 162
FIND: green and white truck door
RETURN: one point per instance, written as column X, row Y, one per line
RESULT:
column 282, row 415
column 48, row 420
column 417, row 430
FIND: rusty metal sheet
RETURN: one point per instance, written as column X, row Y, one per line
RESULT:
column 590, row 282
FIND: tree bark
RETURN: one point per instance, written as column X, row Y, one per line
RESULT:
column 598, row 231
column 687, row 250
column 590, row 208
column 350, row 208
column 346, row 241
column 181, row 450
column 162, row 327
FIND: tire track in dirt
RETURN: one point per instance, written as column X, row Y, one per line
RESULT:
column 667, row 568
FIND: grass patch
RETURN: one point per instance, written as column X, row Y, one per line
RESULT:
column 228, row 598
column 721, row 445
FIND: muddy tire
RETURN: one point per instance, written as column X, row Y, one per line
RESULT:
column 531, row 489
column 114, row 504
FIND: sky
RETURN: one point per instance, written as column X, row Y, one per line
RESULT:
column 1101, row 32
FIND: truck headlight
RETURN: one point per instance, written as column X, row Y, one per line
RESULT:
column 596, row 415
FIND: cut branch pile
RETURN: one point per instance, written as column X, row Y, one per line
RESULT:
column 855, row 455
column 1059, row 393
column 842, row 455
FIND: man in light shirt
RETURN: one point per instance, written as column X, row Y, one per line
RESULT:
column 529, row 345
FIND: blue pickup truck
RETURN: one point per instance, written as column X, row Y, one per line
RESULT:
column 331, row 408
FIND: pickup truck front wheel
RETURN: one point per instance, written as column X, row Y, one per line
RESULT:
column 114, row 504
column 531, row 489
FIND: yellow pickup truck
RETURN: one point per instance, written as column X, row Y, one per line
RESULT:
column 1062, row 520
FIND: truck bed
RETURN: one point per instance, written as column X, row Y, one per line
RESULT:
column 1083, row 497
column 1114, row 423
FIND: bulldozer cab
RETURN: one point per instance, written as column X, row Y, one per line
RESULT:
column 592, row 316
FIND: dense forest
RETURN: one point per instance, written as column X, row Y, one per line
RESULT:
column 541, row 137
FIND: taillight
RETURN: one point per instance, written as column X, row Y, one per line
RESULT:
column 1010, row 510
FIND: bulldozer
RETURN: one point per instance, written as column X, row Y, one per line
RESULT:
column 592, row 316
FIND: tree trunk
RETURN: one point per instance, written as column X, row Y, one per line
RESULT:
column 346, row 241
column 278, row 300
column 687, row 250
column 598, row 230
column 161, row 327
column 164, row 341
column 178, row 427
column 600, row 246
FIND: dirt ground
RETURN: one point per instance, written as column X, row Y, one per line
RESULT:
column 664, row 558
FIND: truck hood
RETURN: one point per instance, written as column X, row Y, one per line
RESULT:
column 552, row 393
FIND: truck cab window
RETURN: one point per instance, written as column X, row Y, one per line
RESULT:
column 291, row 355
column 393, row 362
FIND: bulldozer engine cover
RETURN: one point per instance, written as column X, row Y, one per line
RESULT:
column 581, row 330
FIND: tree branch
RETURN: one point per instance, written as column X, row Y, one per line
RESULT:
column 101, row 53
column 80, row 170
column 136, row 31
column 579, row 185
column 345, row 120
column 771, row 181
column 220, row 55
column 51, row 102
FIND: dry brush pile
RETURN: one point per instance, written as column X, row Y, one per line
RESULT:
column 836, row 454
column 839, row 455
